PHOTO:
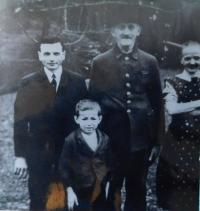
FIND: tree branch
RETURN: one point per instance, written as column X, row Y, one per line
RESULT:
column 26, row 33
column 104, row 3
column 173, row 44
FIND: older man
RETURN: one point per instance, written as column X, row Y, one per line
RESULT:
column 43, row 117
column 126, row 81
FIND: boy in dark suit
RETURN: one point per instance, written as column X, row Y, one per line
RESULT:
column 43, row 116
column 85, row 160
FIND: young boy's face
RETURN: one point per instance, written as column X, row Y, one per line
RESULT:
column 88, row 121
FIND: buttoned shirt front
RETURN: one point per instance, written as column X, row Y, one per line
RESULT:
column 133, row 80
column 57, row 74
column 130, row 86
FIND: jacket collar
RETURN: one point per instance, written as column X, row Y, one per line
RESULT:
column 81, row 140
column 119, row 54
column 187, row 77
column 57, row 74
column 43, row 79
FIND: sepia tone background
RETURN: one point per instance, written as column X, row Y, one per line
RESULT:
column 84, row 26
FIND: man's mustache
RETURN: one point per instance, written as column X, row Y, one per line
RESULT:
column 192, row 66
column 126, row 37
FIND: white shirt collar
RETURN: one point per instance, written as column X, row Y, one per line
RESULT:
column 187, row 77
column 57, row 73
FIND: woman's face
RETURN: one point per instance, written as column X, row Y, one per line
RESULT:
column 191, row 58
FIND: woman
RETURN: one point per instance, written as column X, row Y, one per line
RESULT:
column 178, row 169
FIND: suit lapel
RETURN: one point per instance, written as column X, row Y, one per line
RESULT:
column 45, row 88
column 46, row 85
column 42, row 80
column 64, row 82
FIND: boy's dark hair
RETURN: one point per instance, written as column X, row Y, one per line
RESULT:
column 50, row 40
column 87, row 104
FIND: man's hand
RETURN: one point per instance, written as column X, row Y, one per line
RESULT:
column 72, row 198
column 154, row 153
column 20, row 168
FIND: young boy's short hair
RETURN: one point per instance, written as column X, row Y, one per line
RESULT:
column 87, row 104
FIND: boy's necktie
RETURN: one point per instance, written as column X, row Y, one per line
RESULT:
column 53, row 82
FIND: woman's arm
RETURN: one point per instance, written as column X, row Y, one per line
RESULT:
column 171, row 104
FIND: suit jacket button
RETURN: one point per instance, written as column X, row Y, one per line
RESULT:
column 127, row 75
column 128, row 101
column 128, row 85
column 128, row 111
column 128, row 93
column 53, row 166
column 126, row 58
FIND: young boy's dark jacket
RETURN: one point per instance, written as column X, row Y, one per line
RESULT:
column 79, row 165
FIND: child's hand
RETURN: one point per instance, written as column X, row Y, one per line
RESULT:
column 107, row 189
column 20, row 168
column 154, row 153
column 72, row 198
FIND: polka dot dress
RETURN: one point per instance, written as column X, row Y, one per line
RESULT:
column 178, row 169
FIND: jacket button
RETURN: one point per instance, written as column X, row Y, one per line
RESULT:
column 126, row 58
column 128, row 101
column 127, row 75
column 53, row 166
column 128, row 111
column 128, row 85
column 128, row 93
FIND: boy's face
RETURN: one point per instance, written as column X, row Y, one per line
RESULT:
column 88, row 121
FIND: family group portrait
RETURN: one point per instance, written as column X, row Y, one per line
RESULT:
column 99, row 105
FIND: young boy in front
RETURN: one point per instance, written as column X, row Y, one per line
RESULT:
column 85, row 160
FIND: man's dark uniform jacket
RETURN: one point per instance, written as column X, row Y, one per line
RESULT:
column 42, row 118
column 129, row 91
